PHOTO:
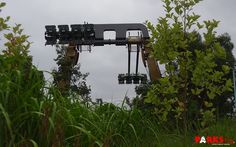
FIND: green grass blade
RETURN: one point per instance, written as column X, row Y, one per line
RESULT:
column 88, row 133
column 7, row 119
column 136, row 136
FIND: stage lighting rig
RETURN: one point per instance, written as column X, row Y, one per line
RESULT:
column 77, row 36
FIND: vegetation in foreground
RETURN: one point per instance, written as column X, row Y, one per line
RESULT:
column 35, row 113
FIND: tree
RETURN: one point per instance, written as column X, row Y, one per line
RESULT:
column 189, row 90
column 225, row 103
column 68, row 74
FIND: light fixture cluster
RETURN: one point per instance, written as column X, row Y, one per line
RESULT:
column 65, row 34
column 132, row 78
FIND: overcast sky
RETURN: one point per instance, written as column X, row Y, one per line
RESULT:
column 103, row 63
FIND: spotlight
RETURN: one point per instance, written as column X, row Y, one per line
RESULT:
column 51, row 35
column 128, row 79
column 89, row 31
column 51, row 29
column 121, row 78
column 136, row 79
column 143, row 79
column 76, row 32
column 63, row 28
column 64, row 34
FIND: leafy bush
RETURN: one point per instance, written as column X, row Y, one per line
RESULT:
column 194, row 82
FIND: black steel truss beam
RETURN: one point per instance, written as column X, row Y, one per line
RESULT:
column 93, row 34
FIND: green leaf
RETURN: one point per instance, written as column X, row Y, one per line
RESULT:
column 196, row 91
column 225, row 69
column 2, row 4
column 16, row 28
column 8, row 36
column 228, row 85
column 211, row 94
column 208, row 104
column 219, row 51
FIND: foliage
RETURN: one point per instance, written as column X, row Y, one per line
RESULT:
column 21, row 88
column 193, row 79
column 225, row 103
column 67, row 71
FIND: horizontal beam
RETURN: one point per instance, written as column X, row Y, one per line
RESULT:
column 93, row 34
column 120, row 30
column 104, row 42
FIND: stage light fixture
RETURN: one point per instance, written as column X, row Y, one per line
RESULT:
column 51, row 35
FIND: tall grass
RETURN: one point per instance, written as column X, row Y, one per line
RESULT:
column 43, row 121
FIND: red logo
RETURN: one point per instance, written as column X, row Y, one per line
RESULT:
column 214, row 140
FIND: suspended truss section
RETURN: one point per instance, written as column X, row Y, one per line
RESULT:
column 93, row 34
